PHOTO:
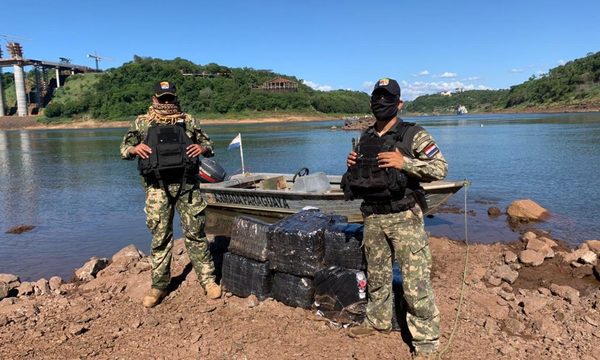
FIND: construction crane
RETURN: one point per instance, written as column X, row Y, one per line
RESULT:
column 97, row 58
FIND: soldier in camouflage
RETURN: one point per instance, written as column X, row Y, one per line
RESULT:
column 159, row 209
column 401, row 235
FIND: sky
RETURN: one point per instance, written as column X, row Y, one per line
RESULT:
column 428, row 46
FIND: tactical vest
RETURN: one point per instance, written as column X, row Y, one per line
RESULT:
column 168, row 161
column 383, row 189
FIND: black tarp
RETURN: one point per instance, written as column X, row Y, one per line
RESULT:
column 343, row 246
column 249, row 238
column 244, row 276
column 293, row 290
column 296, row 242
column 340, row 294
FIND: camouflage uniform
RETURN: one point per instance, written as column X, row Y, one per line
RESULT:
column 159, row 211
column 401, row 236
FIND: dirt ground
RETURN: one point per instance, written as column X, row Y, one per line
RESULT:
column 509, row 311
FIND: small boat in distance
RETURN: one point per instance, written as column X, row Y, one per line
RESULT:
column 278, row 195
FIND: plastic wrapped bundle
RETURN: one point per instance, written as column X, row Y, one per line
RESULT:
column 340, row 294
column 296, row 242
column 249, row 238
column 244, row 277
column 293, row 290
column 343, row 246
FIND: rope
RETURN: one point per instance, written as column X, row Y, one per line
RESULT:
column 466, row 184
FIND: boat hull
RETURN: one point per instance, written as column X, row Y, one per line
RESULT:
column 243, row 195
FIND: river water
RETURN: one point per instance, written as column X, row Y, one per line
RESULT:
column 85, row 201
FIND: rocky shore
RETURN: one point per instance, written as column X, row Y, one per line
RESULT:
column 534, row 298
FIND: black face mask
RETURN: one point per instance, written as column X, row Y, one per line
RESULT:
column 384, row 107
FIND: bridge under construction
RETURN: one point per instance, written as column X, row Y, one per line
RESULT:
column 42, row 87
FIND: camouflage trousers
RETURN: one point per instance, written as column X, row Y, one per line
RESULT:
column 159, row 218
column 401, row 236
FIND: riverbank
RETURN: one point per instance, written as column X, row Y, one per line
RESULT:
column 30, row 122
column 512, row 308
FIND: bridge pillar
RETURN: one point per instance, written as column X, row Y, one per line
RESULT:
column 1, row 95
column 57, row 78
column 38, row 87
column 20, row 90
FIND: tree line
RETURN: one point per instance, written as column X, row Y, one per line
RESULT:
column 124, row 92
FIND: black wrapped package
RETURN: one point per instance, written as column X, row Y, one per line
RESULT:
column 293, row 290
column 244, row 277
column 249, row 238
column 343, row 246
column 296, row 242
column 340, row 294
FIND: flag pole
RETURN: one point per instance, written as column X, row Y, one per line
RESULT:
column 241, row 153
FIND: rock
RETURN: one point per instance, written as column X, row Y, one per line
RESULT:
column 549, row 242
column 55, row 283
column 128, row 254
column 4, row 289
column 544, row 291
column 77, row 329
column 541, row 247
column 515, row 266
column 89, row 270
column 594, row 245
column 476, row 275
column 13, row 281
column 597, row 271
column 491, row 326
column 513, row 326
column 566, row 292
column 19, row 229
column 3, row 320
column 533, row 304
column 548, row 328
column 26, row 288
column 493, row 211
column 507, row 274
column 531, row 257
column 588, row 257
column 508, row 296
column 526, row 209
column 573, row 256
column 41, row 287
column 252, row 301
column 528, row 236
column 496, row 281
column 510, row 257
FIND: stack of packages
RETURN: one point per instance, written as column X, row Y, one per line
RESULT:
column 309, row 259
column 245, row 268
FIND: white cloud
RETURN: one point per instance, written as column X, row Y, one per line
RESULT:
column 410, row 91
column 473, row 78
column 422, row 73
column 448, row 74
column 517, row 70
column 367, row 86
column 316, row 86
column 561, row 62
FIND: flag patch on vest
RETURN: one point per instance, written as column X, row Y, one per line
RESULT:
column 430, row 150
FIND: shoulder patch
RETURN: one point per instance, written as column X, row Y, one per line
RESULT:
column 430, row 150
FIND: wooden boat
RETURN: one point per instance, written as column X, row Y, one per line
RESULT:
column 273, row 196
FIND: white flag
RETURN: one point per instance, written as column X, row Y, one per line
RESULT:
column 235, row 143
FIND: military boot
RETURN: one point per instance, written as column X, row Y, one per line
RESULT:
column 425, row 355
column 213, row 291
column 154, row 297
column 365, row 329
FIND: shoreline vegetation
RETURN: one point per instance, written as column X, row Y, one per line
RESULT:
column 531, row 298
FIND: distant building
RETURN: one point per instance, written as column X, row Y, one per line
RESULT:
column 446, row 93
column 279, row 84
